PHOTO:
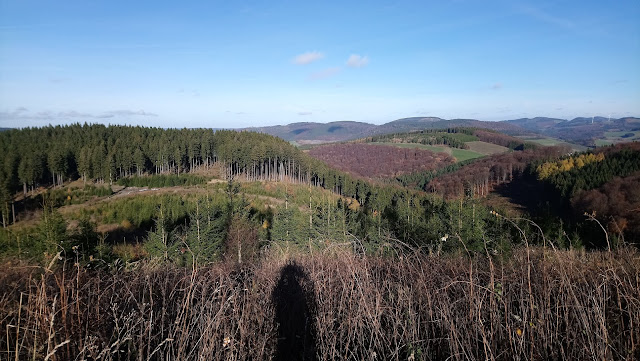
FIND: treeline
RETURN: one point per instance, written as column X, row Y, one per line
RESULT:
column 590, row 171
column 242, row 155
column 421, row 179
column 478, row 178
column 374, row 161
column 53, row 155
column 602, row 185
column 33, row 157
column 452, row 137
column 504, row 140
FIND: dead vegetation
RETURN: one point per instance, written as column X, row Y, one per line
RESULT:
column 536, row 305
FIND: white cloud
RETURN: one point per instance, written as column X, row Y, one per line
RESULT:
column 307, row 58
column 357, row 61
column 304, row 113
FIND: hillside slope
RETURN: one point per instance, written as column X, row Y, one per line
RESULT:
column 582, row 130
column 314, row 133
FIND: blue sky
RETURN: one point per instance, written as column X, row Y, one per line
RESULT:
column 253, row 63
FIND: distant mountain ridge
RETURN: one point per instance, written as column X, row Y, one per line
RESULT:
column 581, row 130
column 310, row 133
column 313, row 133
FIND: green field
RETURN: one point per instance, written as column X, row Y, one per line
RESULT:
column 545, row 141
column 460, row 136
column 463, row 154
column 552, row 141
column 620, row 134
column 618, row 137
column 486, row 148
column 603, row 142
column 459, row 154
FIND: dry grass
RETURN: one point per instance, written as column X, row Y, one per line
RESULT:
column 486, row 148
column 538, row 305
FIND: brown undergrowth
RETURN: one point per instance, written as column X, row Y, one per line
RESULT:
column 536, row 305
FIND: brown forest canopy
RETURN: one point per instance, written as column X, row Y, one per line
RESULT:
column 377, row 161
column 480, row 176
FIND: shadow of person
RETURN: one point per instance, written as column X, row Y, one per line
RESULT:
column 295, row 305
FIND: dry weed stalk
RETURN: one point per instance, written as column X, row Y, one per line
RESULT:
column 536, row 305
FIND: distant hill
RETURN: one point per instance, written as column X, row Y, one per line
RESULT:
column 314, row 133
column 584, row 130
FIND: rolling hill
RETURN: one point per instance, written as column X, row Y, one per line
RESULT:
column 314, row 133
column 582, row 130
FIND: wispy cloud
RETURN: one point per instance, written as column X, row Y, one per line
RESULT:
column 496, row 86
column 22, row 113
column 546, row 17
column 326, row 73
column 357, row 61
column 126, row 113
column 307, row 58
column 304, row 113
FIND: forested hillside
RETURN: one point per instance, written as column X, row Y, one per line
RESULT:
column 458, row 137
column 131, row 228
column 184, row 160
column 314, row 133
column 139, row 156
column 602, row 183
column 35, row 157
column 379, row 161
column 479, row 177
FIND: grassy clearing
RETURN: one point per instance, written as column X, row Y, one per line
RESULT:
column 621, row 134
column 536, row 305
column 603, row 142
column 618, row 137
column 459, row 136
column 486, row 148
column 463, row 154
column 432, row 148
column 545, row 141
column 459, row 154
column 553, row 141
